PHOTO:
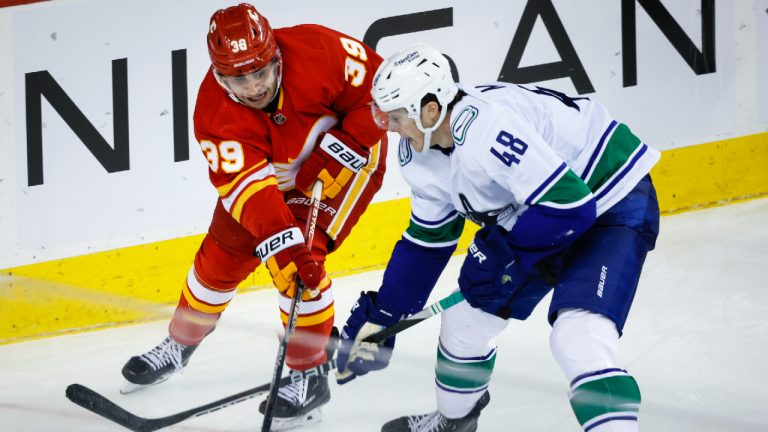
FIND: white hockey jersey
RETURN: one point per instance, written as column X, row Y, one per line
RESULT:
column 515, row 147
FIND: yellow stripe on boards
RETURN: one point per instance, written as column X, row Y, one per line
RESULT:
column 141, row 283
column 712, row 174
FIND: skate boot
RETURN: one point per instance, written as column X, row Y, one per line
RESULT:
column 298, row 404
column 436, row 422
column 156, row 365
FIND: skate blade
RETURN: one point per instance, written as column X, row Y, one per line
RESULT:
column 129, row 387
column 280, row 424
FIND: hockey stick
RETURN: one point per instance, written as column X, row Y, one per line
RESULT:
column 293, row 316
column 432, row 310
column 102, row 406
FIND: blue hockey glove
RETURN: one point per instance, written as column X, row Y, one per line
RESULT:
column 355, row 357
column 490, row 275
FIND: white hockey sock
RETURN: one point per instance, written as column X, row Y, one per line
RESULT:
column 604, row 397
column 465, row 358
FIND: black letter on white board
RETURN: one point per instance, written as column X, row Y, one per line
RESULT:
column 41, row 84
column 702, row 62
column 180, row 105
column 411, row 23
column 569, row 66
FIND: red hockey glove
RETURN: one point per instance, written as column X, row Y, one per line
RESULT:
column 287, row 256
column 333, row 162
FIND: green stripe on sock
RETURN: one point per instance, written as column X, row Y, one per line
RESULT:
column 465, row 376
column 605, row 395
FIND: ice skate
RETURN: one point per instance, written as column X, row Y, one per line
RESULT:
column 298, row 404
column 436, row 422
column 156, row 365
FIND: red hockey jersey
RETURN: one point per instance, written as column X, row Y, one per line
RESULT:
column 254, row 155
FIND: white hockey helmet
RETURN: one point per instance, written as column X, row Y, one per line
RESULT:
column 405, row 78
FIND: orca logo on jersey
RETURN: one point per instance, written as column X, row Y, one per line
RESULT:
column 278, row 242
column 489, row 218
column 343, row 154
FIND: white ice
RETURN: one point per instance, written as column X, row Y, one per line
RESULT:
column 696, row 340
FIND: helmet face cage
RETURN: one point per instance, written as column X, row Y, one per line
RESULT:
column 405, row 78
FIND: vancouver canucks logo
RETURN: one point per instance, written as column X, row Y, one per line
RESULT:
column 405, row 153
column 488, row 218
column 461, row 124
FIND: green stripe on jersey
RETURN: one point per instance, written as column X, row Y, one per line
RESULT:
column 463, row 375
column 618, row 393
column 447, row 233
column 620, row 147
column 569, row 189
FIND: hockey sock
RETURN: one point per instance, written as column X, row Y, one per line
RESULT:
column 605, row 396
column 189, row 326
column 461, row 381
column 307, row 346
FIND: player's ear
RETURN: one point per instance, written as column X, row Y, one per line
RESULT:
column 431, row 113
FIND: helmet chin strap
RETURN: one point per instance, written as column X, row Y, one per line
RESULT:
column 428, row 131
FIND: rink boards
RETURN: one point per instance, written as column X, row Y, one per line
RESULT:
column 91, row 242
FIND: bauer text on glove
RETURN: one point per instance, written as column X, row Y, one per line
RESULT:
column 287, row 257
column 490, row 274
column 334, row 162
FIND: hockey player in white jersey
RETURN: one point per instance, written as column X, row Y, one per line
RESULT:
column 556, row 184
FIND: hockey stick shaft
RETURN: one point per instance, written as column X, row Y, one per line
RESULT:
column 432, row 310
column 102, row 406
column 293, row 315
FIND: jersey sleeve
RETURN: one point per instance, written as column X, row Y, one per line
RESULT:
column 421, row 255
column 560, row 206
column 352, row 65
column 246, row 183
column 434, row 223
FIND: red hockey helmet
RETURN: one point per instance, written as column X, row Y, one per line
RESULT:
column 240, row 40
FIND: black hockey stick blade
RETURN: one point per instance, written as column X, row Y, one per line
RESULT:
column 98, row 404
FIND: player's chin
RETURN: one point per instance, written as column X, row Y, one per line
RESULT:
column 258, row 101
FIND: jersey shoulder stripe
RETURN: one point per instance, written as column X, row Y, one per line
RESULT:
column 620, row 147
column 568, row 192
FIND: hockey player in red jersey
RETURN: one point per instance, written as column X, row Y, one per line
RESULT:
column 278, row 110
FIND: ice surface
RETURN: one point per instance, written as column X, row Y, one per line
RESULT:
column 696, row 340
